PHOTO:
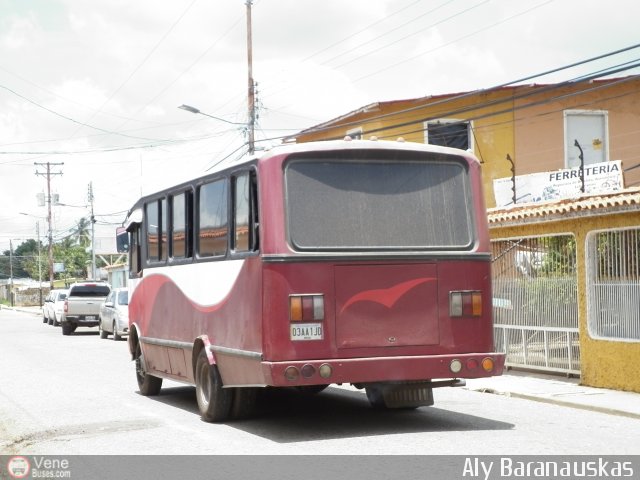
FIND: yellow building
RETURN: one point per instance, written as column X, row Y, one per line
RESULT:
column 566, row 272
column 534, row 125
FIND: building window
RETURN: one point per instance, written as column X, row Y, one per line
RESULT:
column 449, row 133
column 355, row 133
column 585, row 133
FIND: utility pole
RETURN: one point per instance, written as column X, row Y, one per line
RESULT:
column 48, row 175
column 251, row 92
column 39, row 262
column 11, row 272
column 93, row 234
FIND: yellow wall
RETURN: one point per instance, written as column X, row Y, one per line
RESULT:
column 525, row 122
column 603, row 363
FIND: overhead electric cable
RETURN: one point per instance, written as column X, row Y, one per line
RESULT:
column 439, row 22
column 453, row 41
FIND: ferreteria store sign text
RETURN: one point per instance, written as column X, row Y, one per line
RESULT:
column 605, row 177
column 584, row 467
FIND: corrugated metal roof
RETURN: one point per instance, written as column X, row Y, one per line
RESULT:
column 588, row 205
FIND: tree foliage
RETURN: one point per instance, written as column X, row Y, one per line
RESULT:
column 72, row 251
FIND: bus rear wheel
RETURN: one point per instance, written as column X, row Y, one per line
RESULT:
column 214, row 402
column 147, row 384
column 244, row 402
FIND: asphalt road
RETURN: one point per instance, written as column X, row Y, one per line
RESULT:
column 78, row 395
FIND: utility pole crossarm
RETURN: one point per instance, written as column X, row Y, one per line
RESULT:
column 48, row 175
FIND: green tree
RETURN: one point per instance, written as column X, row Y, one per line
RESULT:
column 19, row 260
column 82, row 234
column 74, row 257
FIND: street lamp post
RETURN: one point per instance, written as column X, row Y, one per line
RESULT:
column 191, row 109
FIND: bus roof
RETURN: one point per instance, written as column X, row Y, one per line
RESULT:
column 134, row 215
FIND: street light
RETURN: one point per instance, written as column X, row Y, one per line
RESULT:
column 191, row 109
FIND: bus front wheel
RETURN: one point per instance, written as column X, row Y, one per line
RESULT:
column 148, row 384
column 214, row 402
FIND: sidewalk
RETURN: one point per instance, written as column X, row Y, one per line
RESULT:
column 532, row 386
column 33, row 310
column 560, row 391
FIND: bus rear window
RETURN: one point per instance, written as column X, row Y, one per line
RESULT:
column 379, row 205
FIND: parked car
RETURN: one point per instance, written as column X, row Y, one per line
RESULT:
column 54, row 306
column 114, row 314
column 82, row 305
column 45, row 308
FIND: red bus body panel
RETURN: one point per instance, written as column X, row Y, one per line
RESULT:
column 386, row 317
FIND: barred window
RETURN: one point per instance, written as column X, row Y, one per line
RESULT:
column 613, row 283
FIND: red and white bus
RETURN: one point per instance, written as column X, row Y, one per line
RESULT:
column 339, row 262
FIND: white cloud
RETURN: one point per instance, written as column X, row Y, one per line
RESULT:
column 313, row 60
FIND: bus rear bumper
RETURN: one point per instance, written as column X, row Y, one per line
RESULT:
column 382, row 369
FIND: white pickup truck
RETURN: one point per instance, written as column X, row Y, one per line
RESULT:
column 82, row 306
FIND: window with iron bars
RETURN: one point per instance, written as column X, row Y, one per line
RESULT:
column 613, row 284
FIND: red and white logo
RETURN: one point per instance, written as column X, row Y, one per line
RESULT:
column 18, row 467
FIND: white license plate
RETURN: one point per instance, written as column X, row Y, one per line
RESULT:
column 306, row 331
column 90, row 317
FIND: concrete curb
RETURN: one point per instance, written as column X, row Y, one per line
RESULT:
column 559, row 402
column 31, row 310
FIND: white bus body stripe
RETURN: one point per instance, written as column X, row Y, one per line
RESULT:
column 205, row 283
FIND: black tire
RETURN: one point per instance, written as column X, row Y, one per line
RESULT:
column 116, row 337
column 68, row 329
column 103, row 334
column 50, row 321
column 56, row 323
column 374, row 395
column 244, row 402
column 148, row 384
column 214, row 402
column 44, row 319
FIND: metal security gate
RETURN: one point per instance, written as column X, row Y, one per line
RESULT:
column 535, row 303
column 613, row 283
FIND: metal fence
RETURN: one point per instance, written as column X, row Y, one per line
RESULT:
column 613, row 283
column 535, row 302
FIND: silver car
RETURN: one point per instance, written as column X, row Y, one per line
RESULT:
column 114, row 314
column 54, row 306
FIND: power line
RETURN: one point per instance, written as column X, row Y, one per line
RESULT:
column 70, row 119
column 348, row 37
column 440, row 22
column 398, row 27
column 455, row 98
column 453, row 41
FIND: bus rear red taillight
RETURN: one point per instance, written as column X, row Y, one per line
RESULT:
column 306, row 308
column 465, row 303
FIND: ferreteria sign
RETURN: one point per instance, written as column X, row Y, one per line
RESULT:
column 602, row 177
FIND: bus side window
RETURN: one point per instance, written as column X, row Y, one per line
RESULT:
column 163, row 229
column 134, row 252
column 245, row 218
column 156, row 223
column 212, row 225
column 181, row 242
